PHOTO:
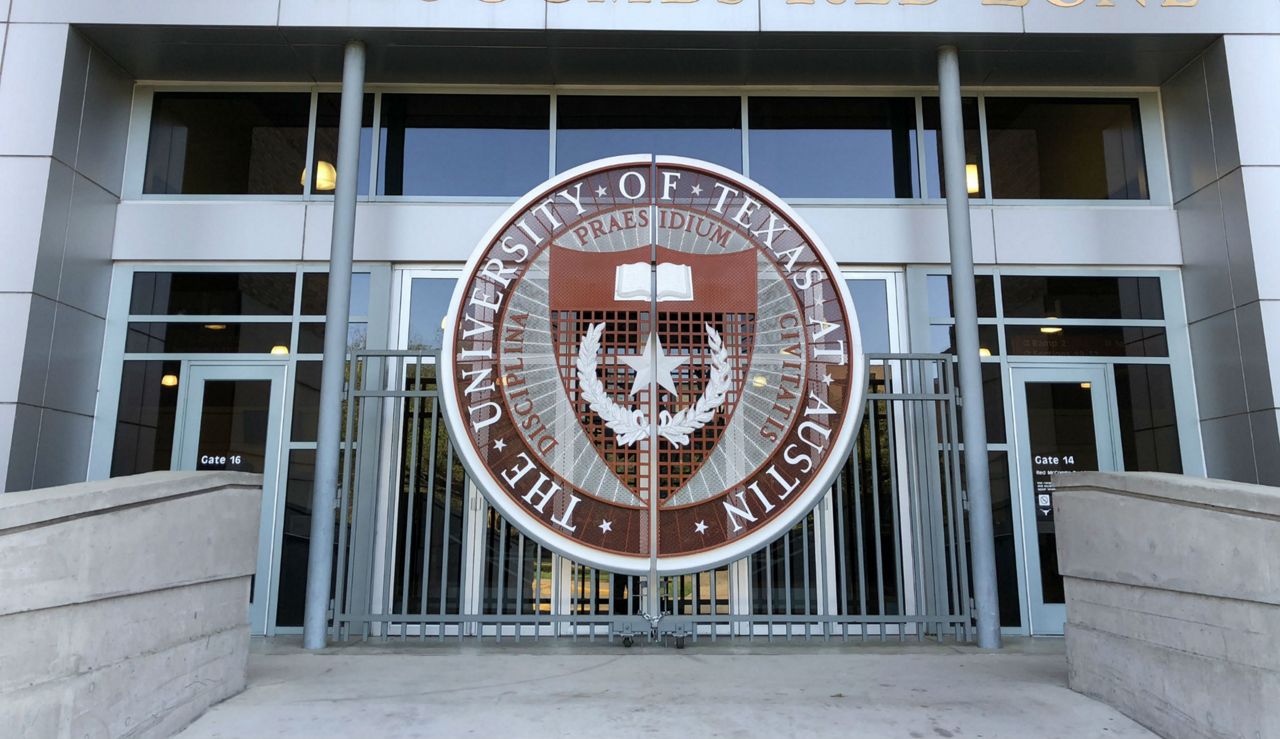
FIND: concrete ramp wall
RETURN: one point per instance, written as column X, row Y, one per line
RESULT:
column 124, row 603
column 1173, row 600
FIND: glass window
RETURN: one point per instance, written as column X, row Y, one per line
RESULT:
column 942, row 340
column 1077, row 149
column 463, row 144
column 972, row 148
column 939, row 287
column 311, row 337
column 428, row 303
column 1127, row 298
column 834, row 147
column 145, row 417
column 227, row 143
column 1002, row 520
column 306, row 401
column 1148, row 419
column 212, row 294
column 295, row 538
column 325, row 157
column 219, row 338
column 870, row 299
column 1087, row 341
column 592, row 127
column 315, row 294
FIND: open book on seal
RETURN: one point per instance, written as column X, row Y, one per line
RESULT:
column 632, row 282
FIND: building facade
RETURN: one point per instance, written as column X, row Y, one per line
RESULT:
column 168, row 173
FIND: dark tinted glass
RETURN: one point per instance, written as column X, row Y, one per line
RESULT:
column 212, row 294
column 993, row 402
column 306, row 401
column 940, row 296
column 942, row 340
column 1079, row 149
column 834, row 147
column 1002, row 521
column 145, row 417
column 428, row 303
column 592, row 127
column 463, row 144
column 295, row 538
column 227, row 143
column 1128, row 298
column 311, row 337
column 1148, row 419
column 181, row 338
column 325, row 158
column 1087, row 341
column 315, row 294
column 972, row 148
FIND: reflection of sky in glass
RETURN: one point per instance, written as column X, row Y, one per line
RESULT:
column 428, row 303
column 870, row 299
column 721, row 146
column 471, row 161
column 827, row 163
column 359, row 294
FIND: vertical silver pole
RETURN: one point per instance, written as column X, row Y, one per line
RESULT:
column 964, row 298
column 333, row 371
column 654, row 605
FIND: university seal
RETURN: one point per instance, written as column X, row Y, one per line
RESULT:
column 652, row 357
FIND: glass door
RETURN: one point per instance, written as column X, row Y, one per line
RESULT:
column 1063, row 421
column 232, row 420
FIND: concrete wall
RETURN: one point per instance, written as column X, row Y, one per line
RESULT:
column 64, row 116
column 124, row 604
column 1220, row 115
column 1173, row 600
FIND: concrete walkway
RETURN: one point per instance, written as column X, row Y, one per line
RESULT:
column 564, row 688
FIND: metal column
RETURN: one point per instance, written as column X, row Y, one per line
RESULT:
column 973, row 420
column 328, row 436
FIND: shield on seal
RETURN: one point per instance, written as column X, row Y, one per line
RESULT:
column 601, row 313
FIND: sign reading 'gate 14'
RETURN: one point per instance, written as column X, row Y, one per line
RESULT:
column 652, row 349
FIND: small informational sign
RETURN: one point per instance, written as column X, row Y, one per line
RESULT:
column 213, row 461
column 1043, row 468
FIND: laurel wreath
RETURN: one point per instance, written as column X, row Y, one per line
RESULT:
column 629, row 424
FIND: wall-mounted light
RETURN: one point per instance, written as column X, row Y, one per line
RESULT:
column 279, row 350
column 1086, row 386
column 326, row 177
column 216, row 326
column 1050, row 329
column 759, row 381
column 984, row 352
column 971, row 178
column 169, row 381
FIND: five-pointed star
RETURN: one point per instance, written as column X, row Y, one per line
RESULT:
column 696, row 190
column 605, row 526
column 700, row 527
column 601, row 191
column 827, row 379
column 499, row 444
column 643, row 366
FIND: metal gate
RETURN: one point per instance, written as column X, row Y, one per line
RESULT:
column 421, row 555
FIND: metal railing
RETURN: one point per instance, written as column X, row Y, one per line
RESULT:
column 421, row 555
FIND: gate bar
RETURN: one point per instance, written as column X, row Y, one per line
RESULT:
column 964, row 299
column 328, row 437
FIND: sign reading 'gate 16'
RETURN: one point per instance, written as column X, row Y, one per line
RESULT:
column 652, row 349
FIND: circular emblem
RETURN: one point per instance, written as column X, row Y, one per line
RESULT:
column 652, row 357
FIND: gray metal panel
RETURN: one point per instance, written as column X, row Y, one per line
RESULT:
column 1207, row 275
column 1215, row 356
column 489, row 56
column 1228, row 448
column 1189, row 130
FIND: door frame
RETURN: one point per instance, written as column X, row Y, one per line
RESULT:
column 1048, row 619
column 262, row 611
